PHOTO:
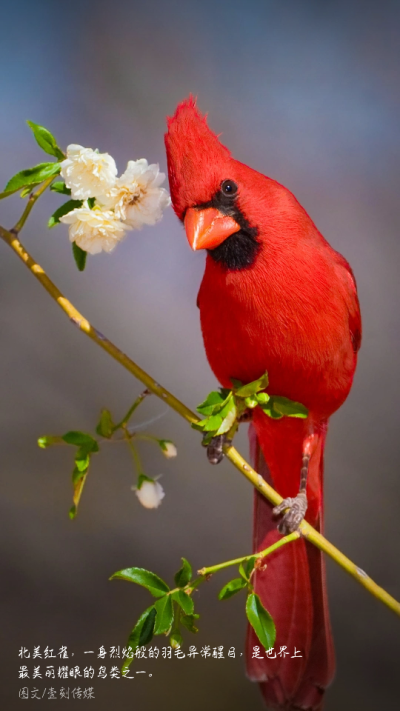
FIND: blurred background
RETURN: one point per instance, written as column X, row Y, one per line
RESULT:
column 307, row 93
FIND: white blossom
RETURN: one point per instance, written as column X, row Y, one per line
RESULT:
column 150, row 494
column 88, row 173
column 94, row 230
column 168, row 449
column 136, row 196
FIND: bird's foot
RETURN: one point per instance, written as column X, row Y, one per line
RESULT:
column 215, row 448
column 291, row 519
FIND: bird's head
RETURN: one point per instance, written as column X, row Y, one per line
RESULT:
column 221, row 201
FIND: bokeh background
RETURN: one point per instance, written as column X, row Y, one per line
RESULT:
column 306, row 92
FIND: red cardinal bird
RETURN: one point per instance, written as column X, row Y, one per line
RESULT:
column 275, row 297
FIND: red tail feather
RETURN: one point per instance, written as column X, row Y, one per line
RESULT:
column 292, row 589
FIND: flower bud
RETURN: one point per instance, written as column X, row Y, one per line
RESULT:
column 176, row 640
column 168, row 448
column 150, row 494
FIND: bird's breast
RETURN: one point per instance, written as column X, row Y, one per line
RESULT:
column 296, row 330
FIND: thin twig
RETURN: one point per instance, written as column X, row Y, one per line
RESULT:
column 135, row 456
column 33, row 197
column 261, row 554
column 131, row 410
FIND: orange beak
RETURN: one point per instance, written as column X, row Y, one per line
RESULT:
column 206, row 229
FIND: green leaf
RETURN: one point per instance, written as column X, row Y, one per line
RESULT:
column 231, row 588
column 141, row 634
column 155, row 585
column 212, row 401
column 226, row 423
column 188, row 622
column 165, row 614
column 105, row 426
column 254, row 387
column 80, row 439
column 146, row 633
column 199, row 425
column 79, row 256
column 228, row 404
column 82, row 465
column 288, row 408
column 176, row 640
column 242, row 571
column 78, row 482
column 212, row 423
column 261, row 621
column 79, row 474
column 184, row 601
column 46, row 140
column 32, row 176
column 246, row 568
column 60, row 187
column 269, row 410
column 229, row 414
column 249, row 566
column 63, row 210
column 184, row 574
column 91, row 202
column 82, row 459
column 223, row 414
column 87, row 445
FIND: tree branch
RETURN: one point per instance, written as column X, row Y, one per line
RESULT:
column 231, row 453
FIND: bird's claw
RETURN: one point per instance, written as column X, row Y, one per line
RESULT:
column 215, row 448
column 291, row 519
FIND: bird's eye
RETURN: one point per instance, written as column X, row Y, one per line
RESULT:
column 228, row 187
